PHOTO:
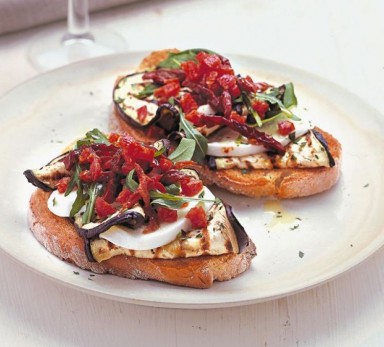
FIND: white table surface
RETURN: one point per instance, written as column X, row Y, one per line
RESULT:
column 342, row 41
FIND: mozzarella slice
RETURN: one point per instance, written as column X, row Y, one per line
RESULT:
column 138, row 240
column 61, row 205
column 228, row 143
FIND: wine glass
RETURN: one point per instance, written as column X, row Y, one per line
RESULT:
column 50, row 51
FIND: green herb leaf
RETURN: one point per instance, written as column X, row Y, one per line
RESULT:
column 130, row 182
column 191, row 133
column 93, row 192
column 173, row 188
column 160, row 151
column 174, row 60
column 93, row 136
column 78, row 203
column 147, row 91
column 184, row 150
column 289, row 98
column 75, row 180
column 171, row 201
column 274, row 100
column 248, row 104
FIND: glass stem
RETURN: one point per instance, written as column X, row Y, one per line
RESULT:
column 78, row 24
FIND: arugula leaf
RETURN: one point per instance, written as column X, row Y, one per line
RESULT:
column 184, row 150
column 78, row 203
column 130, row 182
column 75, row 180
column 93, row 136
column 174, row 60
column 93, row 192
column 274, row 100
column 171, row 201
column 147, row 91
column 173, row 188
column 254, row 114
column 160, row 151
column 289, row 98
column 191, row 133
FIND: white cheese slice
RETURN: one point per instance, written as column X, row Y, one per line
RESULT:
column 228, row 143
column 61, row 205
column 138, row 240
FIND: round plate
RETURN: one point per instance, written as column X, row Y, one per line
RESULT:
column 301, row 243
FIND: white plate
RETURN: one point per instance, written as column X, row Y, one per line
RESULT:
column 316, row 239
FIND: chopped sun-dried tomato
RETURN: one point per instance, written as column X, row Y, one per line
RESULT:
column 166, row 215
column 236, row 117
column 191, row 70
column 142, row 113
column 190, row 186
column 198, row 217
column 261, row 107
column 226, row 103
column 188, row 103
column 285, row 127
column 127, row 199
column 165, row 164
column 62, row 184
column 195, row 118
column 137, row 151
column 246, row 84
column 167, row 90
column 103, row 208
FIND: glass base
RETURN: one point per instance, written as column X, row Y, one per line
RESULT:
column 49, row 51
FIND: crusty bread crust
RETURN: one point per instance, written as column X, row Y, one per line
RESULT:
column 60, row 238
column 154, row 58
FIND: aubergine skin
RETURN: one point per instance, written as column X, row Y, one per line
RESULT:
column 129, row 218
column 243, row 239
column 30, row 176
column 167, row 117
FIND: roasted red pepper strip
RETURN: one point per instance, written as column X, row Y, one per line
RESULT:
column 245, row 130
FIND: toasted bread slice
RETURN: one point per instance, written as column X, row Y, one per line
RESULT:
column 279, row 183
column 59, row 236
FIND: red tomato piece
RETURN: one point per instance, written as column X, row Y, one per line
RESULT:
column 102, row 208
column 195, row 118
column 261, row 107
column 191, row 70
column 210, row 62
column 227, row 81
column 127, row 198
column 198, row 217
column 139, row 152
column 142, row 113
column 85, row 176
column 211, row 78
column 167, row 90
column 166, row 215
column 285, row 127
column 226, row 103
column 165, row 164
column 246, row 84
column 188, row 103
column 234, row 91
column 190, row 186
column 236, row 117
column 62, row 184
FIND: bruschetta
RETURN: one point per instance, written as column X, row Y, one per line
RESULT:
column 249, row 140
column 114, row 205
